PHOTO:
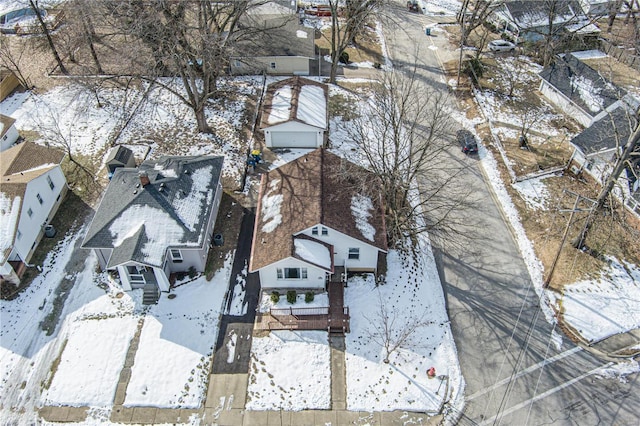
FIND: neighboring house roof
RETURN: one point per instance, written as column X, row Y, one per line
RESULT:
column 296, row 99
column 5, row 124
column 19, row 165
column 583, row 85
column 139, row 222
column 531, row 14
column 608, row 132
column 277, row 35
column 310, row 191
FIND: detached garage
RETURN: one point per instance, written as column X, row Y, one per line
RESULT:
column 294, row 114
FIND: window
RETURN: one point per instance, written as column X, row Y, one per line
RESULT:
column 50, row 182
column 4, row 138
column 272, row 65
column 18, row 234
column 39, row 198
column 314, row 230
column 176, row 256
column 354, row 253
column 291, row 273
column 30, row 212
column 325, row 231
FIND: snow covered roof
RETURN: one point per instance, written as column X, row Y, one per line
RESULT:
column 306, row 192
column 141, row 221
column 313, row 251
column 296, row 99
column 531, row 14
column 280, row 35
column 19, row 165
column 583, row 85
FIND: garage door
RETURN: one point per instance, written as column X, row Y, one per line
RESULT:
column 293, row 139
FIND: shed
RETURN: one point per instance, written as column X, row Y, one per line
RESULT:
column 119, row 156
column 295, row 114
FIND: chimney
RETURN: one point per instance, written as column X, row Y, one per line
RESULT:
column 144, row 178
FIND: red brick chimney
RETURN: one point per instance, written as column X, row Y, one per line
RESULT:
column 144, row 178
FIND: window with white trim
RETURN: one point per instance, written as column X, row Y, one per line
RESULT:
column 291, row 273
column 176, row 255
column 272, row 65
column 50, row 182
column 30, row 212
column 314, row 230
column 18, row 234
column 325, row 231
column 354, row 253
column 39, row 198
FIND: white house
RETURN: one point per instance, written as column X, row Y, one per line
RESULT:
column 157, row 220
column 8, row 132
column 310, row 224
column 578, row 90
column 33, row 187
column 295, row 114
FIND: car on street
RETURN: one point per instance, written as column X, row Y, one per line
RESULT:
column 467, row 141
column 501, row 46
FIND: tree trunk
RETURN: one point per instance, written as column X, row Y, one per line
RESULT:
column 89, row 33
column 52, row 46
column 619, row 167
column 201, row 119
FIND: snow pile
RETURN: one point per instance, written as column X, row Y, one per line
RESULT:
column 270, row 209
column 533, row 192
column 290, row 370
column 361, row 207
column 239, row 305
column 413, row 302
column 599, row 309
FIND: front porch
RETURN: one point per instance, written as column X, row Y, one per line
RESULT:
column 334, row 318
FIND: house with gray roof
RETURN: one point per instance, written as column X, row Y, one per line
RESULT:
column 528, row 20
column 279, row 46
column 119, row 156
column 156, row 220
column 596, row 149
column 579, row 90
column 312, row 223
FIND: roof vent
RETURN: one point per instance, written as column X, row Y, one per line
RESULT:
column 186, row 171
column 135, row 192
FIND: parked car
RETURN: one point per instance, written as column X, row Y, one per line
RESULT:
column 11, row 21
column 467, row 141
column 501, row 46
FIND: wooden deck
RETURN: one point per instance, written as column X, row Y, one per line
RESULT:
column 334, row 318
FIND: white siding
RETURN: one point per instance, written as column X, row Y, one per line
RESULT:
column 342, row 243
column 277, row 65
column 293, row 134
column 161, row 279
column 564, row 104
column 32, row 227
column 316, row 277
column 124, row 278
column 9, row 138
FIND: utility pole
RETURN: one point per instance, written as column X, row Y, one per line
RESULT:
column 573, row 210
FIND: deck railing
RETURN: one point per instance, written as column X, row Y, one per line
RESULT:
column 299, row 312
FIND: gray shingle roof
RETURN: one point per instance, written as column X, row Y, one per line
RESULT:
column 530, row 13
column 141, row 222
column 612, row 130
column 583, row 85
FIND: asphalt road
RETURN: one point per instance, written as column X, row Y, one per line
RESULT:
column 515, row 374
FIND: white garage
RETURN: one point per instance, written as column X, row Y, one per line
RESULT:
column 294, row 114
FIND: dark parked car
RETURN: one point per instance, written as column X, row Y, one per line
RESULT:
column 467, row 141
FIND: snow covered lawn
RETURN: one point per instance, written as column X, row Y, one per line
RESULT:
column 412, row 294
column 290, row 370
column 601, row 308
column 172, row 363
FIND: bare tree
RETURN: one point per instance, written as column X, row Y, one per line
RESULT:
column 11, row 57
column 45, row 29
column 405, row 136
column 347, row 24
column 393, row 330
